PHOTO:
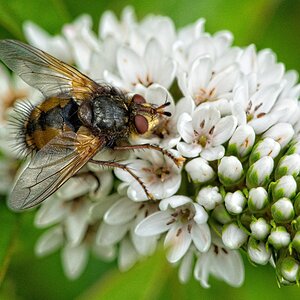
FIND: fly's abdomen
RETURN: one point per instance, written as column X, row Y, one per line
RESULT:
column 50, row 119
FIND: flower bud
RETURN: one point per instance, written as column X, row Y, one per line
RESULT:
column 296, row 242
column 279, row 237
column 283, row 210
column 288, row 165
column 297, row 223
column 258, row 252
column 209, row 197
column 285, row 186
column 221, row 214
column 241, row 141
column 265, row 147
column 289, row 269
column 258, row 199
column 230, row 170
column 259, row 173
column 235, row 202
column 280, row 132
column 199, row 170
column 294, row 148
column 260, row 229
column 297, row 204
column 233, row 237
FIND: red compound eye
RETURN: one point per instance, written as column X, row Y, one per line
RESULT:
column 138, row 99
column 141, row 124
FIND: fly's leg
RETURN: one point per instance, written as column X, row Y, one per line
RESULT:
column 177, row 160
column 114, row 164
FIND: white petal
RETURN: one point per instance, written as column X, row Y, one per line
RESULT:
column 131, row 66
column 224, row 130
column 185, row 269
column 154, row 224
column 213, row 153
column 185, row 128
column 109, row 234
column 177, row 242
column 127, row 255
column 200, row 170
column 201, row 236
column 174, row 202
column 74, row 260
column 144, row 245
column 201, row 215
column 121, row 212
column 189, row 150
column 50, row 241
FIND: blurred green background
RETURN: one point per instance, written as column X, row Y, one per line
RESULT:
column 271, row 24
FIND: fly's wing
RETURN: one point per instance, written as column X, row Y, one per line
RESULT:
column 53, row 165
column 46, row 73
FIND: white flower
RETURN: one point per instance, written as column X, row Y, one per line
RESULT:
column 204, row 132
column 222, row 263
column 209, row 197
column 199, row 170
column 119, row 224
column 160, row 175
column 54, row 45
column 184, row 221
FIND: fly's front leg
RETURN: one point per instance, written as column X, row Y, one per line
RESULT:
column 177, row 160
column 113, row 164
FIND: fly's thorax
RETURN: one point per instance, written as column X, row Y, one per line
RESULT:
column 106, row 115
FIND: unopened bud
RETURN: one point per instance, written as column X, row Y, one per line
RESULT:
column 265, row 147
column 296, row 242
column 221, row 214
column 285, row 186
column 297, row 204
column 279, row 237
column 281, row 133
column 209, row 197
column 235, row 202
column 258, row 252
column 283, row 210
column 260, row 229
column 233, row 237
column 241, row 141
column 289, row 269
column 259, row 173
column 258, row 199
column 199, row 170
column 230, row 170
column 288, row 165
column 294, row 148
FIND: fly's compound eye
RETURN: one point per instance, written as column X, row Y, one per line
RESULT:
column 141, row 124
column 138, row 99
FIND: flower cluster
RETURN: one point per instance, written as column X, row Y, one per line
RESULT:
column 235, row 120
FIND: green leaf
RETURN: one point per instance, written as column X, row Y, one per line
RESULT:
column 144, row 281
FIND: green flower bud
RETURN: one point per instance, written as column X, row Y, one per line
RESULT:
column 233, row 237
column 221, row 214
column 265, row 147
column 230, row 170
column 294, row 148
column 241, row 141
column 258, row 199
column 260, row 229
column 297, row 204
column 296, row 242
column 297, row 223
column 279, row 237
column 259, row 173
column 209, row 197
column 283, row 210
column 258, row 252
column 235, row 202
column 289, row 269
column 288, row 165
column 286, row 186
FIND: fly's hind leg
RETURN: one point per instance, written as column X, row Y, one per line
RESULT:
column 177, row 160
column 113, row 164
